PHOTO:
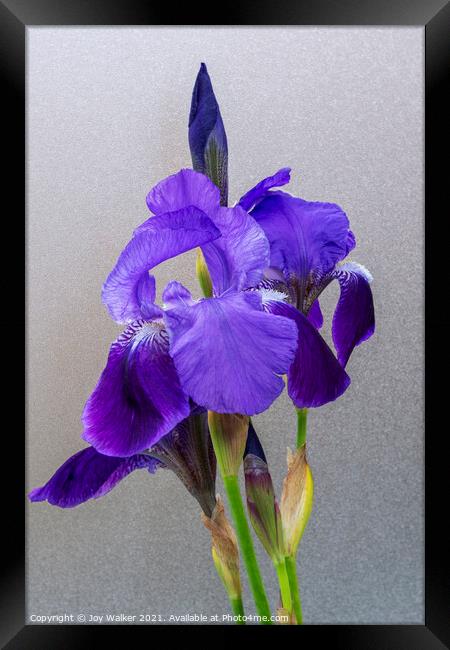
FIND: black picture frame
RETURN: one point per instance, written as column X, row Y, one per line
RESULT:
column 434, row 16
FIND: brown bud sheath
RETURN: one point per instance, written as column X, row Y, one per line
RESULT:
column 296, row 499
column 224, row 549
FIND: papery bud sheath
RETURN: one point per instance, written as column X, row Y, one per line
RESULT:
column 296, row 499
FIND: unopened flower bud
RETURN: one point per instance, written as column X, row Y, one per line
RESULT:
column 263, row 507
column 229, row 435
column 296, row 499
column 207, row 138
column 204, row 279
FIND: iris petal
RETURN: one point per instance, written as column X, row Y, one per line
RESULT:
column 157, row 240
column 315, row 315
column 315, row 377
column 351, row 242
column 183, row 189
column 238, row 258
column 304, row 236
column 354, row 317
column 251, row 198
column 138, row 398
column 229, row 353
column 89, row 475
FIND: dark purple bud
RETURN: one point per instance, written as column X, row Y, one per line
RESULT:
column 207, row 137
column 254, row 445
column 263, row 507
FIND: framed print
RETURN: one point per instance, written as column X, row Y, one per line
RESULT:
column 226, row 228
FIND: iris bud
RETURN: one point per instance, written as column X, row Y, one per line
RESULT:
column 204, row 279
column 296, row 499
column 229, row 434
column 207, row 137
column 263, row 508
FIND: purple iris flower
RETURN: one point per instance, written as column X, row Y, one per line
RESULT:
column 308, row 241
column 186, row 450
column 218, row 352
column 228, row 352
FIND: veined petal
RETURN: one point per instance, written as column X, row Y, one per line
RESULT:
column 315, row 377
column 229, row 353
column 159, row 239
column 89, row 475
column 304, row 236
column 207, row 138
column 354, row 317
column 183, row 189
column 315, row 315
column 145, row 297
column 253, row 196
column 138, row 398
column 237, row 259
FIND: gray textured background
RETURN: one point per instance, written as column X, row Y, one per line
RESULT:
column 107, row 118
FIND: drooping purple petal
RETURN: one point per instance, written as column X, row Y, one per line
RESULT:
column 183, row 189
column 251, row 198
column 354, row 317
column 237, row 259
column 315, row 377
column 158, row 240
column 315, row 315
column 89, row 475
column 207, row 138
column 138, row 398
column 229, row 353
column 304, row 236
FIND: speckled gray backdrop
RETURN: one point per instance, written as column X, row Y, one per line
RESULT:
column 107, row 119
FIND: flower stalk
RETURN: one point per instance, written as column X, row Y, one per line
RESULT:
column 229, row 435
column 295, row 506
column 302, row 415
column 264, row 512
column 285, row 587
column 247, row 549
column 291, row 571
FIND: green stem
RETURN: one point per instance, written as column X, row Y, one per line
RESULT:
column 238, row 609
column 301, row 427
column 246, row 545
column 285, row 589
column 292, row 575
